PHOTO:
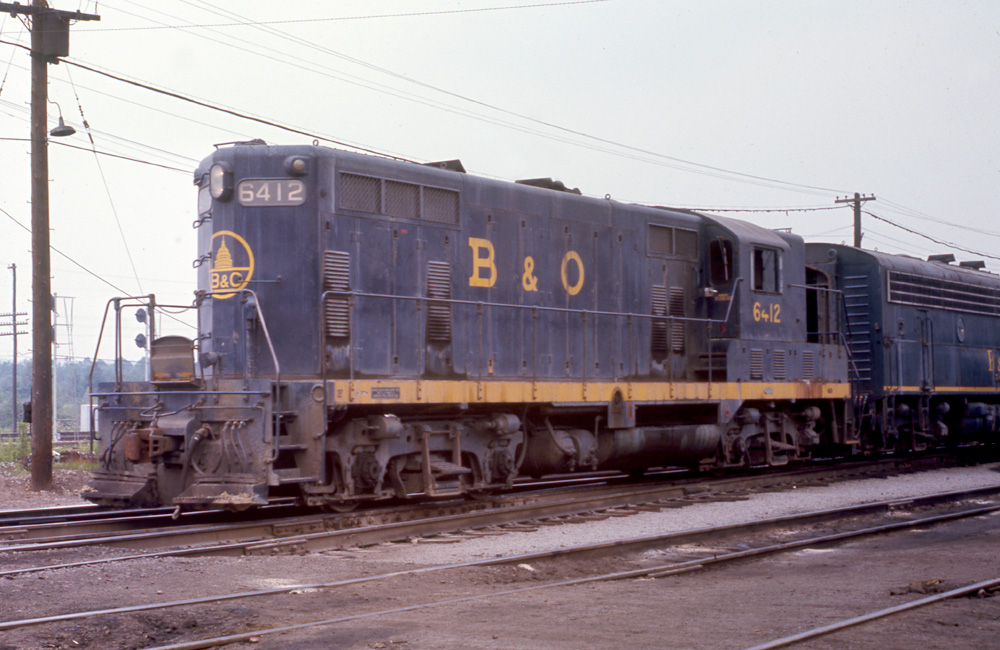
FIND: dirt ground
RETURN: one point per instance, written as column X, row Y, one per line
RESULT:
column 728, row 608
column 16, row 492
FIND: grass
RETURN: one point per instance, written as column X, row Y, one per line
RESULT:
column 18, row 452
column 76, row 463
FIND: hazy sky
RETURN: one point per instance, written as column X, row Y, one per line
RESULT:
column 708, row 104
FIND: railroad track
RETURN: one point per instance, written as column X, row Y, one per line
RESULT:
column 687, row 551
column 555, row 503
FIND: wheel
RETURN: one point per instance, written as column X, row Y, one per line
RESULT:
column 340, row 507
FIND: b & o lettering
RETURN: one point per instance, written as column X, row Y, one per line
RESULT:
column 572, row 289
column 484, row 268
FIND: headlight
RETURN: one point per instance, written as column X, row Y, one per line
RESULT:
column 220, row 181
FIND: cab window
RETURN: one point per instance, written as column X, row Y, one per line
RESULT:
column 767, row 270
column 720, row 259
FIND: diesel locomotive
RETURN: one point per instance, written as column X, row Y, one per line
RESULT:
column 370, row 328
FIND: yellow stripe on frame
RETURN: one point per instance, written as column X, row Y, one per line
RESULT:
column 384, row 391
column 994, row 390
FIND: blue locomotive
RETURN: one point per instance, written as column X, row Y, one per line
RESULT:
column 925, row 343
column 370, row 328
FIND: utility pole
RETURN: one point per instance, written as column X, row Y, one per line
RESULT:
column 66, row 311
column 49, row 41
column 857, row 200
column 14, row 314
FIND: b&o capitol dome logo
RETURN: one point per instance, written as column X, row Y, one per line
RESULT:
column 232, row 264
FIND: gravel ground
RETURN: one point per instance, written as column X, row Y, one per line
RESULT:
column 723, row 608
column 703, row 515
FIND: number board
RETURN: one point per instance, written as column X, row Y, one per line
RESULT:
column 271, row 192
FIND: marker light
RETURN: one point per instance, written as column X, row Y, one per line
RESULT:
column 295, row 165
column 220, row 181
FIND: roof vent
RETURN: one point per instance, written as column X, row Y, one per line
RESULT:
column 978, row 265
column 549, row 184
column 944, row 258
column 450, row 165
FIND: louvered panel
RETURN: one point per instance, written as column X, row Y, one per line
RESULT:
column 439, row 313
column 756, row 364
column 808, row 364
column 678, row 329
column 780, row 365
column 659, row 308
column 337, row 277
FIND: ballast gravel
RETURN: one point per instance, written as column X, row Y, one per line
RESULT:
column 700, row 515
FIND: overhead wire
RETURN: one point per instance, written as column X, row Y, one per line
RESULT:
column 10, row 62
column 928, row 237
column 107, row 187
column 412, row 14
column 118, row 156
column 916, row 214
column 67, row 257
column 216, row 107
column 774, row 209
column 119, row 141
column 714, row 171
column 88, row 271
column 628, row 152
column 259, row 24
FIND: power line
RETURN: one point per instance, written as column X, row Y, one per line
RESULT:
column 220, row 109
column 118, row 156
column 659, row 158
column 214, row 107
column 720, row 171
column 709, row 170
column 778, row 210
column 928, row 237
column 70, row 259
column 107, row 188
column 412, row 14
column 85, row 269
column 121, row 142
column 916, row 214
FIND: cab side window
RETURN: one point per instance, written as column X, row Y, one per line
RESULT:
column 720, row 259
column 767, row 270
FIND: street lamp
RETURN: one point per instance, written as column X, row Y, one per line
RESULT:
column 49, row 41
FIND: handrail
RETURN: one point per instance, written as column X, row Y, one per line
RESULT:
column 564, row 310
column 245, row 293
column 120, row 303
column 351, row 295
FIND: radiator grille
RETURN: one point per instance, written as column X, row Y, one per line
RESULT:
column 398, row 199
column 337, row 277
column 938, row 293
column 439, row 313
column 402, row 200
column 661, row 240
column 440, row 206
column 362, row 193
